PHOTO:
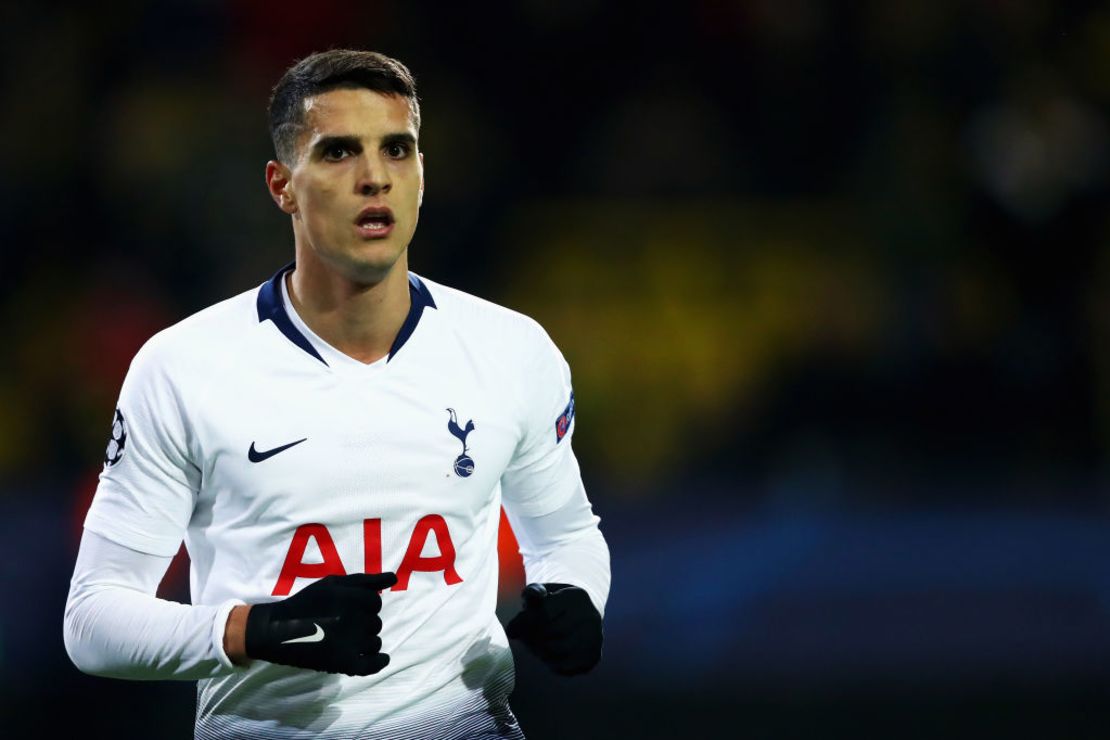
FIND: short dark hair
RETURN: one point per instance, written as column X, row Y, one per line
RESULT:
column 331, row 70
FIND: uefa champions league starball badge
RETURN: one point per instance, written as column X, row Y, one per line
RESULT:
column 116, row 444
column 464, row 466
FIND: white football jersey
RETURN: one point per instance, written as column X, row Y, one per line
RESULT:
column 279, row 460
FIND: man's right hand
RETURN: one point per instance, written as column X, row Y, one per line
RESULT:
column 331, row 625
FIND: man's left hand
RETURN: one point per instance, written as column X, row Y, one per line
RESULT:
column 560, row 625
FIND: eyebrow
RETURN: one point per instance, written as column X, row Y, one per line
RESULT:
column 327, row 142
column 355, row 144
column 399, row 138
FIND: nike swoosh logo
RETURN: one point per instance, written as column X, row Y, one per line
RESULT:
column 317, row 636
column 255, row 456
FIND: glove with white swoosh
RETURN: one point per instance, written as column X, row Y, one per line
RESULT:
column 331, row 625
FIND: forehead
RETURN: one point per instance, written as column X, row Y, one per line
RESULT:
column 356, row 112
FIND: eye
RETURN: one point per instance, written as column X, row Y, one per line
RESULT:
column 397, row 150
column 336, row 152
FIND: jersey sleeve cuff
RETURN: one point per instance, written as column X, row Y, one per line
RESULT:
column 219, row 626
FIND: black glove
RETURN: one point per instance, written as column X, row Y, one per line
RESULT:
column 331, row 625
column 560, row 625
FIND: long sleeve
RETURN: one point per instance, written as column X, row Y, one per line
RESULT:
column 115, row 626
column 542, row 491
column 565, row 546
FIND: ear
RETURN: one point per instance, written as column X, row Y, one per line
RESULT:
column 279, row 181
column 420, row 199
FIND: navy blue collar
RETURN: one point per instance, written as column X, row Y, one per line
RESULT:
column 271, row 306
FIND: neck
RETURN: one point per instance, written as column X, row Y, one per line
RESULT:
column 360, row 320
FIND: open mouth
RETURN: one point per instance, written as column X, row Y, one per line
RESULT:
column 375, row 222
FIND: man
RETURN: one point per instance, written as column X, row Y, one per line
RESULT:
column 334, row 449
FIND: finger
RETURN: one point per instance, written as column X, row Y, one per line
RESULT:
column 583, row 645
column 571, row 659
column 374, row 625
column 368, row 601
column 558, row 621
column 358, row 625
column 321, row 586
column 368, row 665
column 573, row 668
column 371, row 645
column 376, row 581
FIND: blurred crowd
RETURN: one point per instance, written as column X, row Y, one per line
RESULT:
column 856, row 251
column 833, row 280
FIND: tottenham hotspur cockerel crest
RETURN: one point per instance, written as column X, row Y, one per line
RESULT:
column 464, row 466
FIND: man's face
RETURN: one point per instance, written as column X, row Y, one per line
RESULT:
column 355, row 188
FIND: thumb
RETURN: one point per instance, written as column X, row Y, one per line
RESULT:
column 533, row 594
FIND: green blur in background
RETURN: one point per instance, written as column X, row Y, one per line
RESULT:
column 805, row 259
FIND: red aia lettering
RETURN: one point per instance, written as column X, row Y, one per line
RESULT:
column 372, row 546
column 413, row 561
column 294, row 566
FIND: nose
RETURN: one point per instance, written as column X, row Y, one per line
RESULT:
column 373, row 178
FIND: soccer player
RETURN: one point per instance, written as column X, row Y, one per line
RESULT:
column 334, row 447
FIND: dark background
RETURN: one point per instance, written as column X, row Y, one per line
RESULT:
column 832, row 279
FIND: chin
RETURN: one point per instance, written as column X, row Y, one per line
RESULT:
column 369, row 268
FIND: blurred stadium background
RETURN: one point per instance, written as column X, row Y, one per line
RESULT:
column 832, row 278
